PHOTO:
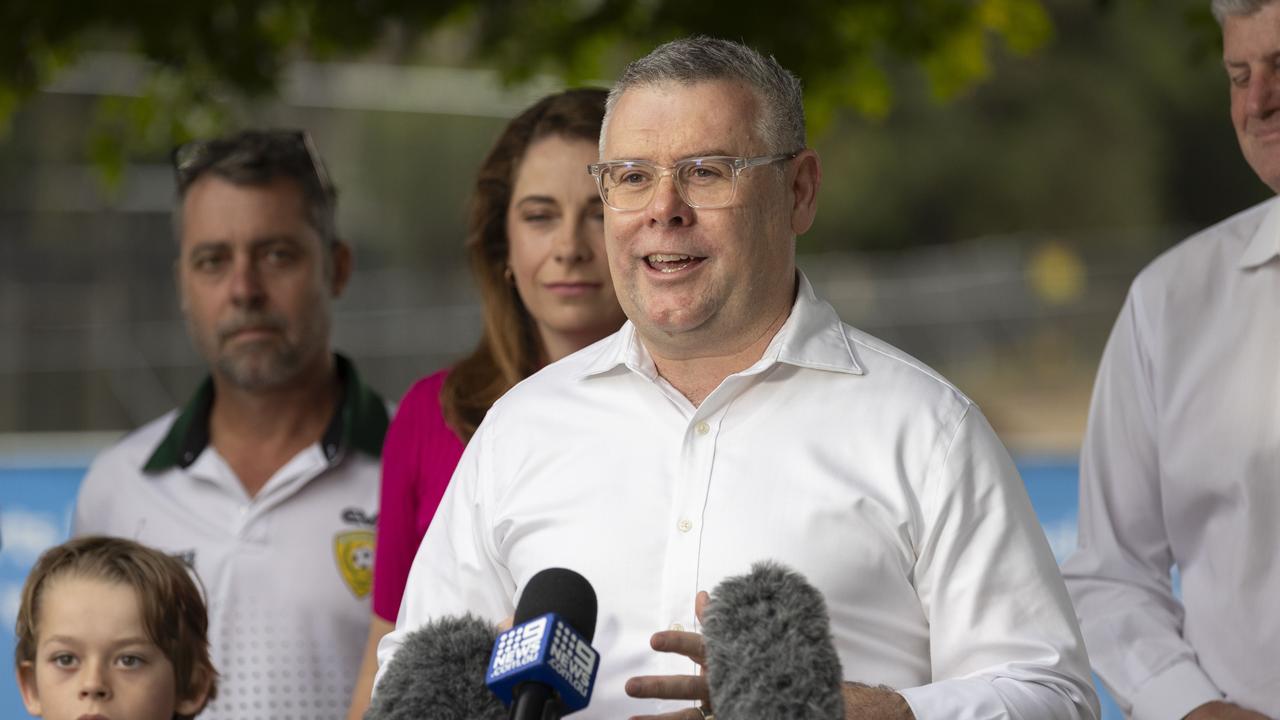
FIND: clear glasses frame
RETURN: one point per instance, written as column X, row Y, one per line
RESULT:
column 613, row 174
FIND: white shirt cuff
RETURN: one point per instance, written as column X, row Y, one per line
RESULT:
column 1173, row 693
column 956, row 698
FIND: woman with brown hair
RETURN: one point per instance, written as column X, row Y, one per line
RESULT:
column 535, row 239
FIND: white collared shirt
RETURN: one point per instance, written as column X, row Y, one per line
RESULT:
column 835, row 454
column 1181, row 466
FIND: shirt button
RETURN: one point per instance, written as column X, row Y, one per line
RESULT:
column 677, row 627
column 702, row 428
column 685, row 525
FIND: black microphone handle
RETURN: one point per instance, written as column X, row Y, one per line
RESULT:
column 535, row 701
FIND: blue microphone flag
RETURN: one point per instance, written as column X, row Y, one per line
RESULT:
column 547, row 650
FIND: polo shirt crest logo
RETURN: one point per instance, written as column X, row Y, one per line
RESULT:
column 353, row 551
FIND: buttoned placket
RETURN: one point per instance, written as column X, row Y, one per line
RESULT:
column 247, row 521
column 683, row 562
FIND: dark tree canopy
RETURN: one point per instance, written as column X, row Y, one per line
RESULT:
column 206, row 52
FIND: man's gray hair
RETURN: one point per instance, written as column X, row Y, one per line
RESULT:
column 258, row 157
column 780, row 116
column 1222, row 9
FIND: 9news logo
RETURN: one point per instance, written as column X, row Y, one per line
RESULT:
column 519, row 647
column 572, row 658
column 548, row 651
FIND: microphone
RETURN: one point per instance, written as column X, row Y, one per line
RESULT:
column 544, row 667
column 435, row 675
column 769, row 648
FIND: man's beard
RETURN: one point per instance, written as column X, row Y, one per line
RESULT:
column 260, row 365
column 264, row 363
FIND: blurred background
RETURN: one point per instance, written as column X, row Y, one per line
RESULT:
column 995, row 173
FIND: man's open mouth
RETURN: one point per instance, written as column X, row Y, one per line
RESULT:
column 671, row 263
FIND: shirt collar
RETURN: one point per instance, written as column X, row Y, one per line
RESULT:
column 1265, row 243
column 359, row 421
column 812, row 337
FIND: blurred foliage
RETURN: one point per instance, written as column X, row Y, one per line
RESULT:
column 1111, row 137
column 208, row 54
column 1116, row 138
column 1077, row 140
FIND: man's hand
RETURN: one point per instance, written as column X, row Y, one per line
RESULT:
column 862, row 702
column 1218, row 710
column 677, row 687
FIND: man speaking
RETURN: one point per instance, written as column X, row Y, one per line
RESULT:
column 736, row 419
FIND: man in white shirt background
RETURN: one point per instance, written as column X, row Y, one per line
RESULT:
column 266, row 482
column 733, row 419
column 1180, row 466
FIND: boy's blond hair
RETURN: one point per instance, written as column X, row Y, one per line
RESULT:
column 173, row 611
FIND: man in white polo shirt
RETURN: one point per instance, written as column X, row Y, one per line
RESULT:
column 266, row 482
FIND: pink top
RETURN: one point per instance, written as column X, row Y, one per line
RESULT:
column 418, row 458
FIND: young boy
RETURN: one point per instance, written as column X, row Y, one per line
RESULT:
column 111, row 630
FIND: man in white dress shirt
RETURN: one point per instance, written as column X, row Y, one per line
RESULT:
column 736, row 419
column 1181, row 459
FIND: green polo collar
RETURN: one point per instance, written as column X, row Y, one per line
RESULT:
column 359, row 421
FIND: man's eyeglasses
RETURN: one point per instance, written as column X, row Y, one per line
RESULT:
column 703, row 182
column 265, row 149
